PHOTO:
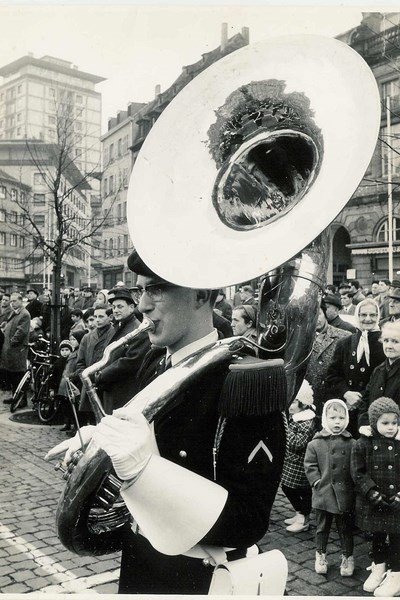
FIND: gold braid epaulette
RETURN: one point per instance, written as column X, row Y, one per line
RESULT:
column 253, row 387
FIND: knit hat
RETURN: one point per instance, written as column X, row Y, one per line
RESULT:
column 325, row 409
column 65, row 344
column 380, row 406
column 305, row 395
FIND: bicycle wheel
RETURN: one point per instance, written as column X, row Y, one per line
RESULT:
column 20, row 393
column 48, row 403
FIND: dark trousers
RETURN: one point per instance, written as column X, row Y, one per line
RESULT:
column 299, row 498
column 386, row 552
column 146, row 571
column 344, row 526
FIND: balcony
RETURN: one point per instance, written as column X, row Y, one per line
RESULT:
column 378, row 47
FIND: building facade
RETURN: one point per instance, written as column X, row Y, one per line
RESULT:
column 360, row 234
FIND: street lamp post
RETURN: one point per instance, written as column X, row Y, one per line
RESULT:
column 390, row 190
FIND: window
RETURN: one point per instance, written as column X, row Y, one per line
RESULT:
column 120, row 147
column 21, row 219
column 13, row 239
column 383, row 231
column 2, row 238
column 19, row 117
column 21, row 242
column 79, row 99
column 13, row 216
column 39, row 198
column 111, row 183
column 19, row 89
column 390, row 149
column 111, row 154
column 2, row 191
column 14, row 194
column 38, row 178
column 18, row 130
column 22, row 197
column 2, row 215
column 52, row 92
column 51, row 119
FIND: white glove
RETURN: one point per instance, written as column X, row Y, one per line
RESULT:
column 72, row 445
column 365, row 430
column 127, row 442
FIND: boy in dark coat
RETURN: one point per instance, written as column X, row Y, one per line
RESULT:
column 375, row 468
column 327, row 466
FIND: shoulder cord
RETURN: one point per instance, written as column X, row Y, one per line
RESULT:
column 217, row 441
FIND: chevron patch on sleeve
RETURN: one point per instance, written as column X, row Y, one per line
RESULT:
column 260, row 447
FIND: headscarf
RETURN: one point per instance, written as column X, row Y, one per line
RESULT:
column 324, row 411
column 363, row 343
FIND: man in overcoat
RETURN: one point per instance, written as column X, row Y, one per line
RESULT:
column 14, row 352
column 117, row 381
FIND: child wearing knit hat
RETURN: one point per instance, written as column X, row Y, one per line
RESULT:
column 327, row 467
column 294, row 483
column 375, row 468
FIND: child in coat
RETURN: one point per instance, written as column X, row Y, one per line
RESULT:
column 69, row 369
column 375, row 468
column 327, row 467
column 294, row 483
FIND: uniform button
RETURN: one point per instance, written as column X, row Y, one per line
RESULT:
column 391, row 487
column 353, row 353
column 376, row 467
column 350, row 382
column 206, row 562
column 182, row 454
column 362, row 369
column 390, row 467
column 390, row 447
column 375, row 447
column 351, row 366
column 320, row 362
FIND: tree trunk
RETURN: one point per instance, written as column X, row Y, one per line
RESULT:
column 55, row 327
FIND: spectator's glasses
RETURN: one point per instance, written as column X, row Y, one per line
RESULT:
column 155, row 291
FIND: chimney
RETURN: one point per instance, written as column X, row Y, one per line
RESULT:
column 246, row 34
column 224, row 35
column 157, row 91
column 372, row 20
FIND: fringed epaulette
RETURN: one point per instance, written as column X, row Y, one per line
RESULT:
column 253, row 387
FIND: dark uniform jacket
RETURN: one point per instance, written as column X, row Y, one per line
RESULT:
column 117, row 381
column 34, row 308
column 249, row 464
column 384, row 381
column 375, row 463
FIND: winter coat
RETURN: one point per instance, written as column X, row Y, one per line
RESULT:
column 328, row 460
column 225, row 308
column 384, row 381
column 56, row 373
column 69, row 369
column 34, row 308
column 14, row 353
column 301, row 429
column 375, row 463
column 117, row 381
column 345, row 373
column 322, row 352
column 341, row 324
column 90, row 351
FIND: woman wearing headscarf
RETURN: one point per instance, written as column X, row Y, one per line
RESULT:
column 354, row 359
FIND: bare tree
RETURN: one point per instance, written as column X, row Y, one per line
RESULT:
column 70, row 225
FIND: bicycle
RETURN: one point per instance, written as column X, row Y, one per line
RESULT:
column 36, row 381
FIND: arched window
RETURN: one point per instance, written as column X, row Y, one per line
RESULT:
column 382, row 234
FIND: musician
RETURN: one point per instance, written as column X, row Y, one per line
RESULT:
column 194, row 507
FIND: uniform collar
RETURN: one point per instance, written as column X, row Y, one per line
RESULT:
column 186, row 351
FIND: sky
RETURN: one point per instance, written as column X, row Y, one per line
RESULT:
column 135, row 47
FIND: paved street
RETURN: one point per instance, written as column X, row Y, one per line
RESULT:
column 32, row 558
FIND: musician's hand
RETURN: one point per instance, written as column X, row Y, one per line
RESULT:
column 128, row 443
column 72, row 445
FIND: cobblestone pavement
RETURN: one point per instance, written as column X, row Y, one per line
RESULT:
column 33, row 560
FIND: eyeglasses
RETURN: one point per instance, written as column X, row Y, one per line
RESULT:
column 155, row 291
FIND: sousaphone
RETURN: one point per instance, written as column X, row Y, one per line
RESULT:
column 238, row 179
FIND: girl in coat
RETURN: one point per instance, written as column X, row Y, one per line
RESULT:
column 354, row 360
column 375, row 468
column 385, row 379
column 327, row 467
column 69, row 369
column 294, row 483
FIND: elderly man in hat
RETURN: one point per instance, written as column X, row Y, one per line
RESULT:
column 332, row 306
column 117, row 381
column 393, row 306
column 200, row 482
column 34, row 306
